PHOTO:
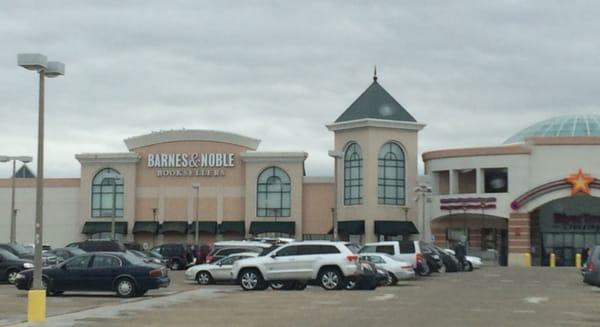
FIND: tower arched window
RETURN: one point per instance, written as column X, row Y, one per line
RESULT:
column 273, row 193
column 107, row 194
column 353, row 182
column 391, row 179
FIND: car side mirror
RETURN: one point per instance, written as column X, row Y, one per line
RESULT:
column 273, row 256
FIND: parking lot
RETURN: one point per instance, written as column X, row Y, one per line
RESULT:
column 493, row 296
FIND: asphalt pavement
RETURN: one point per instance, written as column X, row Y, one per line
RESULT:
column 492, row 296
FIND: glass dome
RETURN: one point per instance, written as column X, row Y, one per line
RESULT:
column 571, row 125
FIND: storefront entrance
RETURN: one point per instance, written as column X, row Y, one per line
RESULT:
column 564, row 227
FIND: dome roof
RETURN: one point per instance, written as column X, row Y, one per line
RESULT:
column 570, row 125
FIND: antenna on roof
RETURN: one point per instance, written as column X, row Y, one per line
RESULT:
column 375, row 74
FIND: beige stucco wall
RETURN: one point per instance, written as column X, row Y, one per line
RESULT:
column 293, row 165
column 317, row 201
column 370, row 140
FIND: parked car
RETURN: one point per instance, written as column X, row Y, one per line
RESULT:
column 433, row 258
column 591, row 275
column 371, row 277
column 158, row 256
column 473, row 262
column 226, row 248
column 407, row 251
column 216, row 271
column 450, row 261
column 395, row 270
column 146, row 257
column 63, row 254
column 18, row 250
column 118, row 272
column 331, row 264
column 178, row 255
column 99, row 246
column 11, row 265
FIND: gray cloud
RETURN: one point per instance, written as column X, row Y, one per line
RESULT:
column 475, row 72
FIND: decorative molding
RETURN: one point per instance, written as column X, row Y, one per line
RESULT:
column 370, row 122
column 190, row 135
column 255, row 156
column 544, row 189
column 318, row 180
column 515, row 149
column 467, row 203
column 122, row 157
column 563, row 140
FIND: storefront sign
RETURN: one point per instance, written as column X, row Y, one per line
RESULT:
column 584, row 222
column 191, row 164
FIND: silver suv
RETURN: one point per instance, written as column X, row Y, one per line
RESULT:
column 331, row 264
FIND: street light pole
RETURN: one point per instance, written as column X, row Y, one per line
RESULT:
column 13, row 211
column 334, row 211
column 37, row 296
column 197, row 188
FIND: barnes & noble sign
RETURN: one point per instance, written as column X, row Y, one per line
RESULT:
column 191, row 164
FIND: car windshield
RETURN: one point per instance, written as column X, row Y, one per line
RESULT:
column 353, row 247
column 268, row 250
column 154, row 254
column 132, row 258
column 21, row 249
column 7, row 255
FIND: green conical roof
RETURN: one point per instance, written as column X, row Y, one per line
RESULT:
column 24, row 172
column 376, row 103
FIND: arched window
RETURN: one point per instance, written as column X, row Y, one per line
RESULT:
column 107, row 194
column 273, row 193
column 391, row 180
column 353, row 175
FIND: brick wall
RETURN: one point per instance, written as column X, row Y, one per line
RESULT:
column 519, row 233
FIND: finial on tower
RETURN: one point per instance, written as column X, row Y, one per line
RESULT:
column 375, row 73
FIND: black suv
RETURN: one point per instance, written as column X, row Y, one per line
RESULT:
column 18, row 250
column 99, row 246
column 11, row 265
column 178, row 255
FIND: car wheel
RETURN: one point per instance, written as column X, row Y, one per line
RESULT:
column 204, row 278
column 331, row 279
column 423, row 270
column 175, row 265
column 350, row 284
column 442, row 269
column 11, row 276
column 125, row 287
column 468, row 266
column 390, row 280
column 251, row 280
column 277, row 285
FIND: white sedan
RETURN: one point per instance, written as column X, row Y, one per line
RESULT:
column 474, row 261
column 397, row 270
column 219, row 270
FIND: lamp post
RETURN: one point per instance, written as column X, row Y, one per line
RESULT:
column 114, row 208
column 335, row 155
column 13, row 211
column 197, row 188
column 422, row 191
column 45, row 68
column 154, row 220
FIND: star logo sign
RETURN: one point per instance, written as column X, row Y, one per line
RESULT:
column 580, row 182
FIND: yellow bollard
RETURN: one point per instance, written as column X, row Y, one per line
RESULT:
column 36, row 306
column 527, row 260
column 578, row 260
column 552, row 260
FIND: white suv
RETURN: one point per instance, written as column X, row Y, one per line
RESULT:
column 331, row 264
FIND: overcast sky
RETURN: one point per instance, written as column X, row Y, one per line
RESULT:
column 475, row 72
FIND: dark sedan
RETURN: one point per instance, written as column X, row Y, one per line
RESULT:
column 10, row 265
column 119, row 272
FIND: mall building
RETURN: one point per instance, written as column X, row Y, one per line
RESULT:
column 167, row 181
column 537, row 193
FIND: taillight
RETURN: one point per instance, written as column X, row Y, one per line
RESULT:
column 155, row 273
column 352, row 258
column 590, row 266
column 419, row 257
column 209, row 258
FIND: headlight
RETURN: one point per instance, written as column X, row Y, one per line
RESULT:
column 28, row 265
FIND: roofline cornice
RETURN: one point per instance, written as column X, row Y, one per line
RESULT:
column 123, row 157
column 254, row 156
column 370, row 122
column 135, row 142
column 517, row 149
